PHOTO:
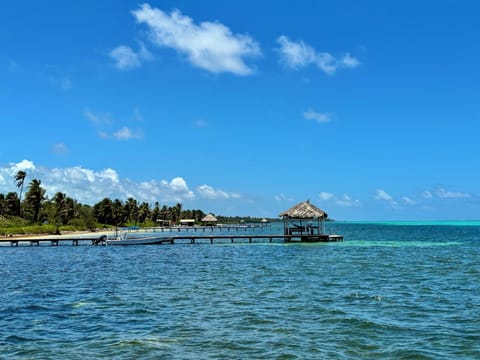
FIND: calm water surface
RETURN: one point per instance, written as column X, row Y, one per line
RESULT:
column 387, row 292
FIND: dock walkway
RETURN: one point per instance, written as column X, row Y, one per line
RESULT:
column 192, row 239
column 75, row 241
column 183, row 238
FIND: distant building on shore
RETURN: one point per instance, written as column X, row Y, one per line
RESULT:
column 187, row 222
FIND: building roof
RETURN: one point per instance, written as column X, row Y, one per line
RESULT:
column 304, row 210
column 209, row 218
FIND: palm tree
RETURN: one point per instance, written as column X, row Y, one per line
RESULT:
column 19, row 181
column 103, row 211
column 177, row 213
column 144, row 212
column 11, row 204
column 34, row 198
column 156, row 212
column 119, row 215
column 131, row 208
column 63, row 210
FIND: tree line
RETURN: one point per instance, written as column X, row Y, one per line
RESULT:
column 37, row 208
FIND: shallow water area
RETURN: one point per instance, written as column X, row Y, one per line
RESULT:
column 388, row 291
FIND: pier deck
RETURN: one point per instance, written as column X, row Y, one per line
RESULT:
column 75, row 241
column 178, row 239
column 251, row 238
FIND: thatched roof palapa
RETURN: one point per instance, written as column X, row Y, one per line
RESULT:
column 209, row 218
column 304, row 210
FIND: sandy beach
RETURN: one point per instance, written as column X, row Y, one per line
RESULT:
column 63, row 235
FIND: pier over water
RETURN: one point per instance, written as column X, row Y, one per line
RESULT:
column 177, row 235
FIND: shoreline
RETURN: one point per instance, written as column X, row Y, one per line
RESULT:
column 63, row 235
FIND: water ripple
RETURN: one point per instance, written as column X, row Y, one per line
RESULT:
column 386, row 292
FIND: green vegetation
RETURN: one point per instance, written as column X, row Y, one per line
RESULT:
column 37, row 214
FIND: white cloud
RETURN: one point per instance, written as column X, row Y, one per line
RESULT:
column 211, row 193
column 349, row 61
column 427, row 194
column 24, row 165
column 444, row 194
column 178, row 184
column 104, row 123
column 409, row 201
column 347, row 201
column 235, row 195
column 208, row 45
column 78, row 174
column 126, row 58
column 8, row 172
column 327, row 63
column 342, row 200
column 326, row 196
column 97, row 118
column 383, row 195
column 318, row 117
column 282, row 197
column 126, row 133
column 296, row 55
column 177, row 189
column 89, row 186
column 109, row 175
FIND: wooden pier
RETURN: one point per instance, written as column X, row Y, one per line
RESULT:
column 302, row 223
column 212, row 239
column 75, row 241
column 184, row 238
column 216, row 228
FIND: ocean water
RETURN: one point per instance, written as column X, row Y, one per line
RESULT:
column 389, row 291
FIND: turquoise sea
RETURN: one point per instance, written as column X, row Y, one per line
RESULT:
column 389, row 291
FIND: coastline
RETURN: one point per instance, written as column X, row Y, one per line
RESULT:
column 63, row 235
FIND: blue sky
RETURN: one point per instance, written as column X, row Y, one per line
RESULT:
column 367, row 108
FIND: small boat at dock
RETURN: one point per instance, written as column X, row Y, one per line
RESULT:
column 122, row 239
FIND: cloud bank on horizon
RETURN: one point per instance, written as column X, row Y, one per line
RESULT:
column 89, row 187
